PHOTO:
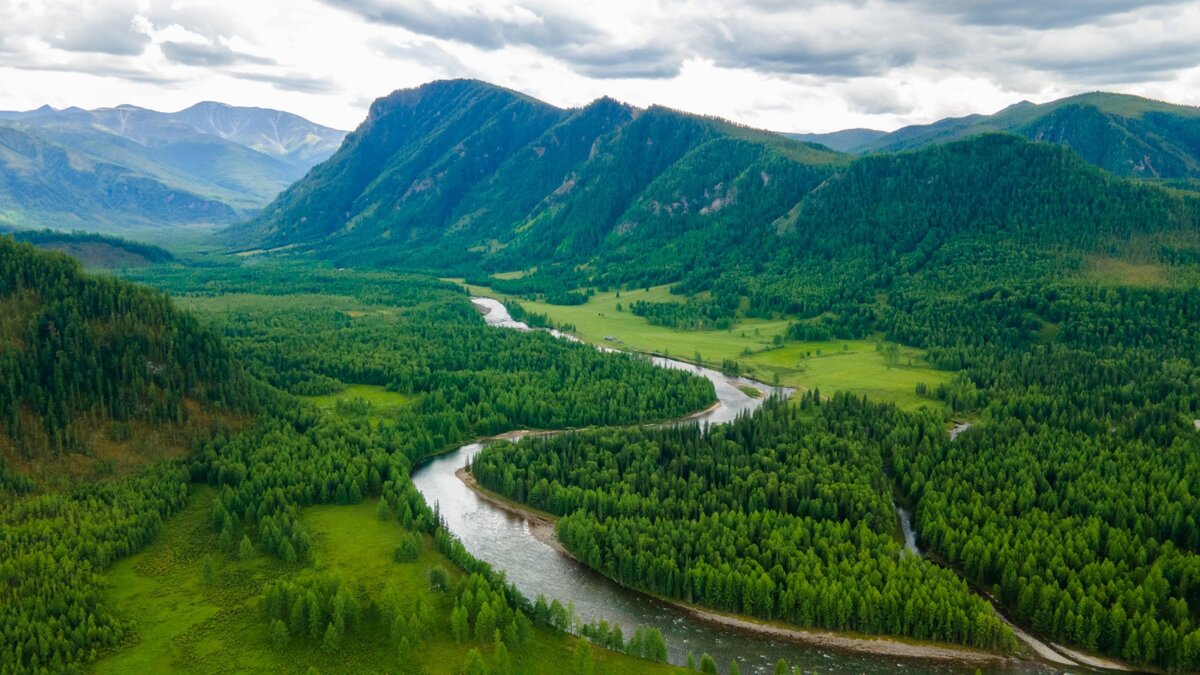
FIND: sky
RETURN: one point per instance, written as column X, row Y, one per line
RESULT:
column 786, row 65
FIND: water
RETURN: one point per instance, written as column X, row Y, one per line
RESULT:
column 508, row 543
column 910, row 534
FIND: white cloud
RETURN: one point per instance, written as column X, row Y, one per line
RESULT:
column 803, row 65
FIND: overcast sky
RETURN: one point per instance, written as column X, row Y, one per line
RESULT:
column 788, row 65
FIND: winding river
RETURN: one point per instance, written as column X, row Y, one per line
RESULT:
column 508, row 542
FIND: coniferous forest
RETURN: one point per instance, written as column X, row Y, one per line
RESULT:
column 188, row 444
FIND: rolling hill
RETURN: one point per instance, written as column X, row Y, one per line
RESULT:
column 122, row 167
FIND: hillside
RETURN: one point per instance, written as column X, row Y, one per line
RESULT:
column 1127, row 135
column 465, row 178
column 98, row 375
column 120, row 167
column 457, row 174
column 96, row 251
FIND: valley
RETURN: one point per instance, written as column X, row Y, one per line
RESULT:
column 495, row 386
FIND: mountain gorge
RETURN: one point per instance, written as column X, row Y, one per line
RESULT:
column 115, row 168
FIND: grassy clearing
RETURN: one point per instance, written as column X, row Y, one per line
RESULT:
column 1106, row 271
column 378, row 397
column 254, row 302
column 186, row 622
column 836, row 365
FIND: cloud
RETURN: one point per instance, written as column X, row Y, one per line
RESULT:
column 96, row 66
column 216, row 54
column 487, row 25
column 589, row 49
column 290, row 82
column 606, row 63
column 1041, row 14
column 426, row 53
column 96, row 28
column 787, row 64
column 1122, row 64
column 875, row 97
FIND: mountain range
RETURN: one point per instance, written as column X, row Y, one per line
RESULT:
column 114, row 168
column 465, row 177
column 1127, row 135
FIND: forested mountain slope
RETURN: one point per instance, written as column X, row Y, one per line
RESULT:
column 98, row 375
column 1127, row 135
column 846, row 140
column 461, row 173
column 463, row 177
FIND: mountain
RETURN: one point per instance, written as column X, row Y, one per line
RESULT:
column 96, row 251
column 45, row 182
column 287, row 137
column 99, row 375
column 463, row 177
column 457, row 174
column 845, row 140
column 210, row 163
column 1127, row 135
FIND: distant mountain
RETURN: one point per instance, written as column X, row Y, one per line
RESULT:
column 282, row 135
column 210, row 163
column 45, row 182
column 1127, row 135
column 462, row 173
column 846, row 140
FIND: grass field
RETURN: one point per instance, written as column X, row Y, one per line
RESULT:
column 837, row 365
column 1107, row 271
column 378, row 397
column 188, row 623
column 258, row 303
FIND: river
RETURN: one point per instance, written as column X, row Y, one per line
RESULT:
column 507, row 542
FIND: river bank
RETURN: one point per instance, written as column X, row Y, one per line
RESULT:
column 498, row 531
column 541, row 526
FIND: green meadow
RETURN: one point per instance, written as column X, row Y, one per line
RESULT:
column 377, row 397
column 195, row 609
column 856, row 366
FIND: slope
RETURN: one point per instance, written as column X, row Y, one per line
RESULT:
column 44, row 184
column 98, row 375
column 96, row 251
column 462, row 175
column 1127, row 135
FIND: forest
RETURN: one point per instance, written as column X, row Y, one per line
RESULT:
column 280, row 454
column 782, row 515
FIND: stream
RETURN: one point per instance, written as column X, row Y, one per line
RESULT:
column 507, row 542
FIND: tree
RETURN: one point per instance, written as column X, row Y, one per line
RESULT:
column 582, row 663
column 245, row 549
column 330, row 643
column 279, row 634
column 474, row 665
